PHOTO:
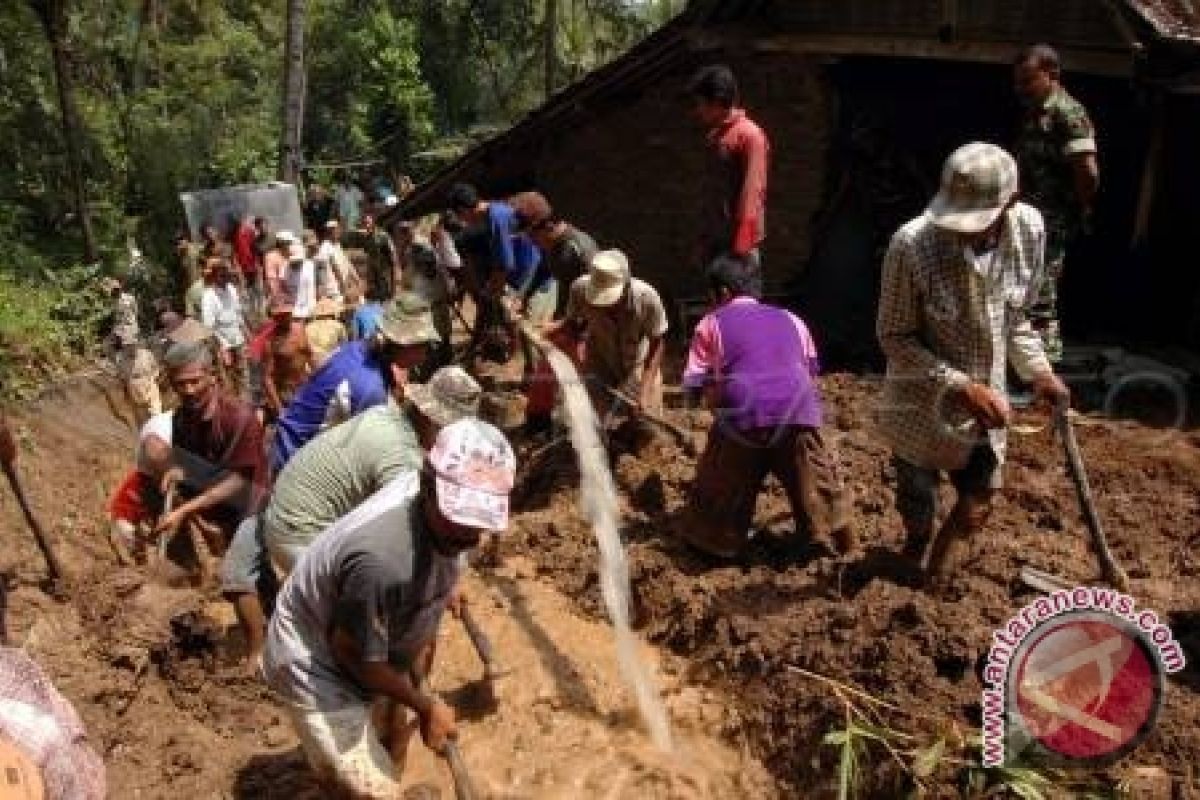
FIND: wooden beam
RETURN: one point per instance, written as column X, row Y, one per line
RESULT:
column 1150, row 170
column 1100, row 62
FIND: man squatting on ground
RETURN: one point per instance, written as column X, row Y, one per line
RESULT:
column 137, row 500
column 218, row 464
column 957, row 284
column 358, row 617
column 756, row 366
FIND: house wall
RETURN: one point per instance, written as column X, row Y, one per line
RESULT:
column 632, row 175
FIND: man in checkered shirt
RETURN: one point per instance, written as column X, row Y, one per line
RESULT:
column 957, row 283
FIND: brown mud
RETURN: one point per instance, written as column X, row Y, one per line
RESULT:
column 149, row 666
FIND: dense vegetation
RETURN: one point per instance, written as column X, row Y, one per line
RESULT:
column 171, row 95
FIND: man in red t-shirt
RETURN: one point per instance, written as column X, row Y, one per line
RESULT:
column 245, row 257
column 735, row 196
column 219, row 469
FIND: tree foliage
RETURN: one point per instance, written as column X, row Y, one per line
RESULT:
column 175, row 95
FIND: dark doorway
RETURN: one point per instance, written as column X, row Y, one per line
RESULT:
column 897, row 120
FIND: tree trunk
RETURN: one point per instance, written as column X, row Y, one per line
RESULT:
column 53, row 16
column 293, row 93
column 550, row 43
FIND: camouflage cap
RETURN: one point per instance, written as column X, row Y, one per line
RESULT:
column 408, row 320
column 978, row 182
column 449, row 395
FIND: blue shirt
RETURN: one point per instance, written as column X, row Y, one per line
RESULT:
column 365, row 320
column 515, row 253
column 349, row 382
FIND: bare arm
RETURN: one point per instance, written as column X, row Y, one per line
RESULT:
column 1086, row 172
column 379, row 676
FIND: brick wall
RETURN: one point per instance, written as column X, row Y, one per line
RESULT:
column 631, row 174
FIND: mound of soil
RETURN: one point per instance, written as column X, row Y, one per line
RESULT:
column 148, row 666
column 792, row 604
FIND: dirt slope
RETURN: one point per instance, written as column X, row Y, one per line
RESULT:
column 790, row 604
column 147, row 664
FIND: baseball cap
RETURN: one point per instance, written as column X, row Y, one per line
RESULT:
column 978, row 182
column 448, row 396
column 475, row 468
column 608, row 273
column 285, row 237
column 408, row 320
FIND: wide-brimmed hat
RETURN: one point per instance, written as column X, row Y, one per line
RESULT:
column 408, row 320
column 327, row 307
column 979, row 180
column 450, row 395
column 608, row 275
column 474, row 467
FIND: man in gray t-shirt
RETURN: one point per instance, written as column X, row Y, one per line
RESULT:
column 345, row 465
column 359, row 613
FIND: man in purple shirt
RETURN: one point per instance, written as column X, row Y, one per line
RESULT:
column 756, row 367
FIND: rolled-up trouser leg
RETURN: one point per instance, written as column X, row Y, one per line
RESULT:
column 721, row 502
column 808, row 467
column 916, row 500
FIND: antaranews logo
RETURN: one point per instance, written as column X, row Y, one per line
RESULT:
column 1077, row 677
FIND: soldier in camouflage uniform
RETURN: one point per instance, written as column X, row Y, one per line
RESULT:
column 1056, row 153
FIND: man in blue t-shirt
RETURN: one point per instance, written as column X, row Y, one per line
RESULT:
column 365, row 321
column 505, row 258
column 359, row 375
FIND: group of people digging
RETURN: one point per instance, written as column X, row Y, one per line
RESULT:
column 372, row 484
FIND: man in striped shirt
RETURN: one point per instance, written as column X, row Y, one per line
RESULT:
column 957, row 284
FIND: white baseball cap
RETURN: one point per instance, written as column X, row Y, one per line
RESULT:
column 474, row 468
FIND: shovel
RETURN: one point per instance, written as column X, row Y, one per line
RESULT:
column 464, row 789
column 680, row 435
column 53, row 565
column 1109, row 568
column 483, row 646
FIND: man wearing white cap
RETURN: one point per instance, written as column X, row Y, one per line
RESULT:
column 624, row 322
column 300, row 282
column 358, row 617
column 957, row 285
column 275, row 264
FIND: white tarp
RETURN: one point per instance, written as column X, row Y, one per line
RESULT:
column 278, row 202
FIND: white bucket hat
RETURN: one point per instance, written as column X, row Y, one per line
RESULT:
column 979, row 180
column 608, row 275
